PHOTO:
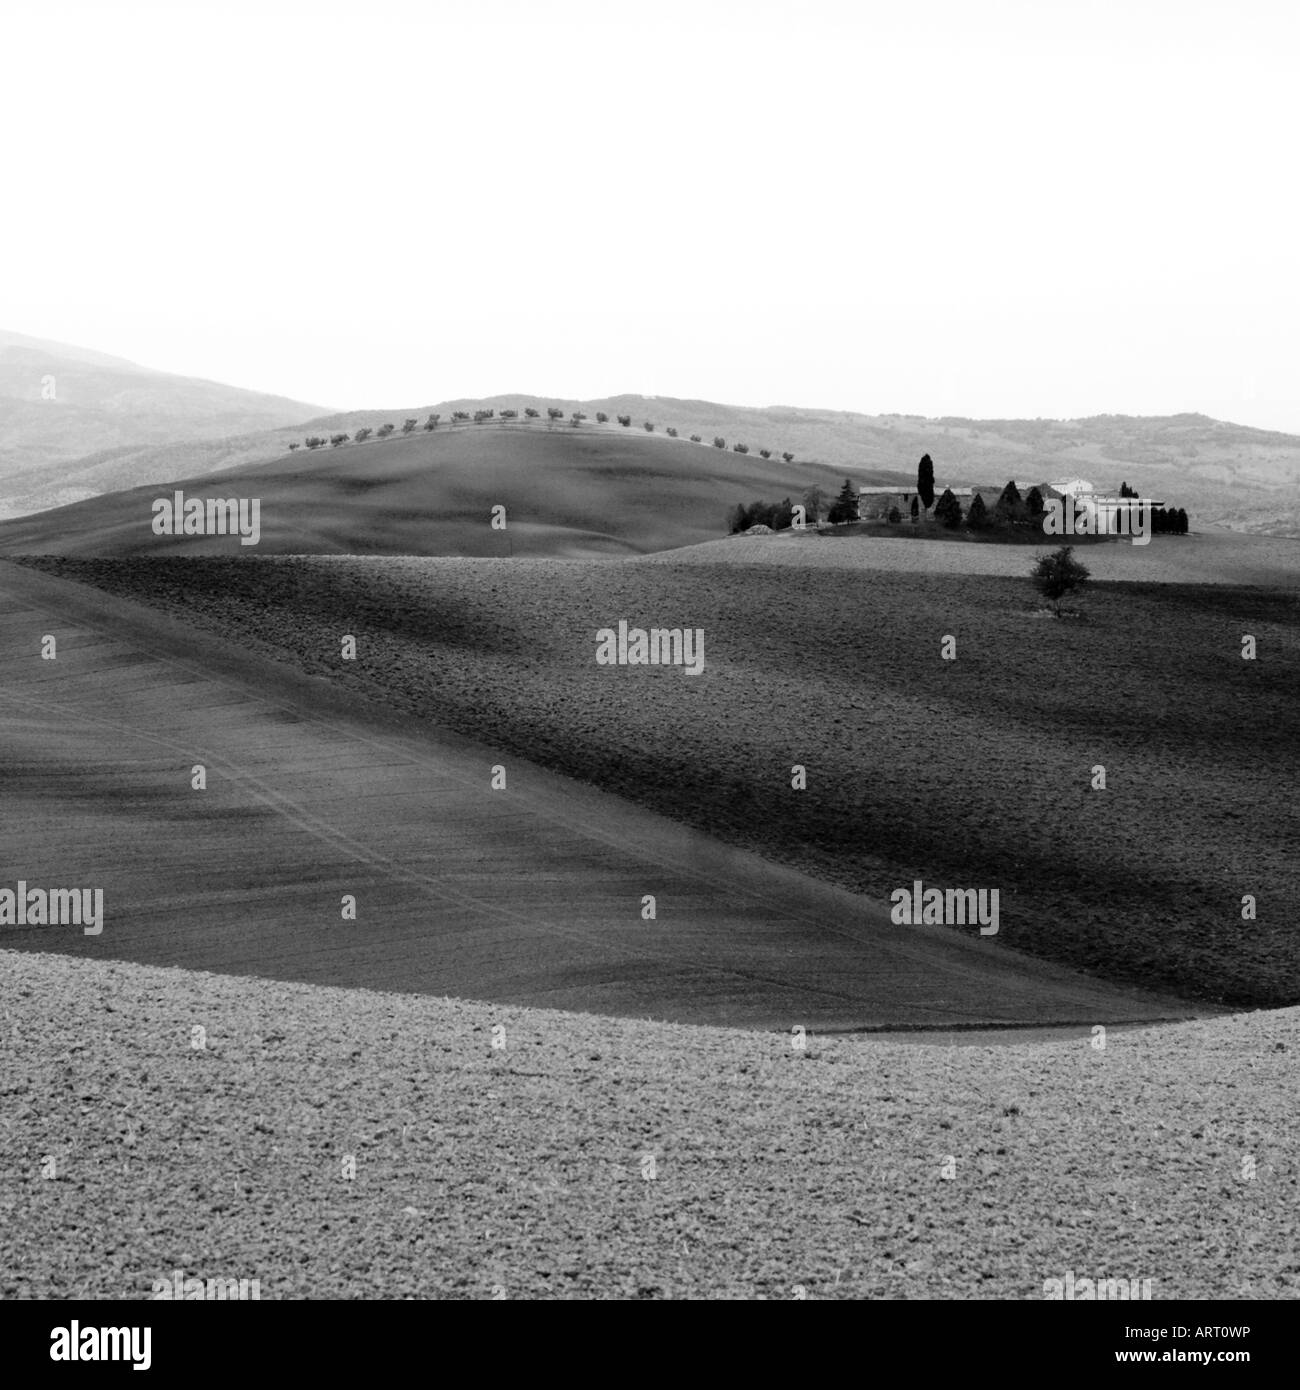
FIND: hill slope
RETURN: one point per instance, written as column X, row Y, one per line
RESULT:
column 529, row 894
column 566, row 492
column 973, row 772
column 60, row 403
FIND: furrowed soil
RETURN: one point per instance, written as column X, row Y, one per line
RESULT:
column 337, row 1143
column 973, row 772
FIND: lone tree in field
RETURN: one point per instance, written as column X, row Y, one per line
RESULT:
column 432, row 422
column 602, row 418
column 695, row 439
column 765, row 453
column 948, row 510
column 625, row 420
column 385, row 430
column 1057, row 574
column 363, row 434
column 925, row 481
column 719, row 442
column 553, row 412
column 789, row 458
column 409, row 425
column 649, row 427
column 292, row 447
column 530, row 412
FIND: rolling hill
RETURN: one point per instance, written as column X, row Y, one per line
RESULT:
column 566, row 492
column 71, row 419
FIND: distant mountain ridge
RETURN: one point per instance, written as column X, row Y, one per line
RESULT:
column 68, row 351
column 66, row 409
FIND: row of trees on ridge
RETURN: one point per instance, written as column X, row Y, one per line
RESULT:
column 553, row 414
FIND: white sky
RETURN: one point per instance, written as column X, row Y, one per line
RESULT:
column 990, row 209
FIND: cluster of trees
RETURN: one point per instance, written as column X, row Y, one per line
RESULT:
column 1169, row 521
column 720, row 443
column 315, row 441
column 1165, row 521
column 1010, row 509
column 777, row 515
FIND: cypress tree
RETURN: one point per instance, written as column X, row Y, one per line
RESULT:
column 925, row 481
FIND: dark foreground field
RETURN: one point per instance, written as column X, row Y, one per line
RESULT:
column 975, row 772
column 526, row 893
